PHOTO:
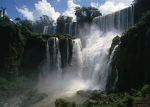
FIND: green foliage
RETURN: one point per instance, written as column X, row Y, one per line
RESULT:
column 64, row 103
column 11, row 47
column 115, row 41
column 145, row 90
column 86, row 14
column 96, row 94
column 125, row 99
column 38, row 25
column 61, row 21
column 32, row 97
column 11, row 88
column 133, row 51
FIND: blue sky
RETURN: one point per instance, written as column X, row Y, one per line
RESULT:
column 33, row 9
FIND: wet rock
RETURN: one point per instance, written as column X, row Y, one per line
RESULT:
column 32, row 97
column 92, row 101
column 63, row 103
column 83, row 93
column 143, row 103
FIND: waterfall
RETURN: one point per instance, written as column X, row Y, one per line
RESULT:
column 76, row 29
column 45, row 30
column 53, row 44
column 86, row 67
column 47, row 57
column 52, row 54
column 65, row 28
column 77, row 58
column 70, row 28
column 54, row 30
column 109, row 68
column 119, row 21
column 95, row 58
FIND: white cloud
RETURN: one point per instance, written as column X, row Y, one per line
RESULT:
column 111, row 5
column 71, row 9
column 26, row 13
column 41, row 8
column 44, row 8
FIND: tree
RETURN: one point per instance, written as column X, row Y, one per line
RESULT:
column 68, row 19
column 86, row 14
column 27, row 23
column 43, row 21
column 61, row 21
column 24, row 23
column 18, row 20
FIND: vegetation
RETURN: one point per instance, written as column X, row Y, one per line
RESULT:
column 61, row 21
column 13, row 88
column 140, row 8
column 22, row 50
column 21, row 53
column 64, row 103
column 86, row 14
column 125, row 99
column 97, row 98
column 16, row 45
column 38, row 25
column 131, row 57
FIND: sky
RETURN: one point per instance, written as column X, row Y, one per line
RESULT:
column 33, row 9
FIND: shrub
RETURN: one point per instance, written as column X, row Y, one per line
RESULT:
column 64, row 103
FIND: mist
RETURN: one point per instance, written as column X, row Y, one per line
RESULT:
column 88, row 69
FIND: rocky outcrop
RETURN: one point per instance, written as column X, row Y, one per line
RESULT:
column 140, row 8
column 33, row 55
column 11, row 48
column 60, row 49
column 65, row 46
column 131, row 57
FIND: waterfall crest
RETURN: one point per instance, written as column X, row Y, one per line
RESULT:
column 89, row 65
column 119, row 21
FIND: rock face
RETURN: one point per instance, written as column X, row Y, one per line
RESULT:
column 33, row 55
column 131, row 59
column 19, row 48
column 65, row 46
column 21, row 51
column 140, row 8
column 144, row 103
column 11, row 49
column 59, row 52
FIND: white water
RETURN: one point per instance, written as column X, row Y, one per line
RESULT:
column 110, row 68
column 90, row 64
column 45, row 30
column 95, row 58
column 88, row 69
column 120, row 20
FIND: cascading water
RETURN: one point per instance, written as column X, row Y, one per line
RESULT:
column 116, row 23
column 70, row 28
column 95, row 58
column 76, row 29
column 120, row 20
column 45, row 30
column 109, row 68
column 85, row 67
column 65, row 28
column 52, row 54
column 91, row 62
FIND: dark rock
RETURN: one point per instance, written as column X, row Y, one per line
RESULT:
column 83, row 93
column 131, row 58
column 92, row 101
